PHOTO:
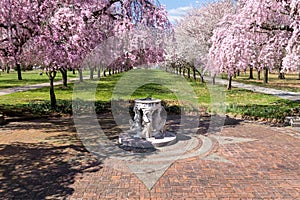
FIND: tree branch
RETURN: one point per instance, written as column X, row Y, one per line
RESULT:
column 273, row 27
column 3, row 26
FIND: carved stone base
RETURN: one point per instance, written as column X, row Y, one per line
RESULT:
column 147, row 127
column 134, row 143
column 166, row 139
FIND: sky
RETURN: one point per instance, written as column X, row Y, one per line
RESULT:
column 177, row 8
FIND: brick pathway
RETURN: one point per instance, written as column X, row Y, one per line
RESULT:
column 267, row 168
column 45, row 160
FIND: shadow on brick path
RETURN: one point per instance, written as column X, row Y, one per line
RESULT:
column 39, row 171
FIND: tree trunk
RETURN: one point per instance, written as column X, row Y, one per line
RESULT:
column 258, row 75
column 180, row 70
column 194, row 73
column 7, row 69
column 266, row 75
column 200, row 74
column 92, row 74
column 109, row 72
column 99, row 73
column 281, row 74
column 189, row 72
column 229, row 86
column 80, row 75
column 104, row 73
column 238, row 72
column 74, row 71
column 64, row 74
column 51, row 76
column 19, row 71
column 251, row 73
column 202, row 78
column 299, row 76
column 214, row 80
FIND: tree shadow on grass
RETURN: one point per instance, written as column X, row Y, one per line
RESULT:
column 40, row 171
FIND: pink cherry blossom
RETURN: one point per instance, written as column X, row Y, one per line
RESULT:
column 261, row 34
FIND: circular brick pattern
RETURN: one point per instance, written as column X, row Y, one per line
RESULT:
column 186, row 147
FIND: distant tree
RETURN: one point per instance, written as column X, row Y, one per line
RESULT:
column 193, row 33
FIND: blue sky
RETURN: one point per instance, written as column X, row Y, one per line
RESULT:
column 177, row 8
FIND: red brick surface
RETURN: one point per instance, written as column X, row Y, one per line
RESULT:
column 48, row 162
column 268, row 168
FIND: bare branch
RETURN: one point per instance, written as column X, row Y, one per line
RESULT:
column 273, row 27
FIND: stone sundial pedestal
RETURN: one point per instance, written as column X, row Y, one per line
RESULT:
column 147, row 126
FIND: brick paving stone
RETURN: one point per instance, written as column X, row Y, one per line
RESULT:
column 267, row 167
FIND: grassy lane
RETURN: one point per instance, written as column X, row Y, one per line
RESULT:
column 238, row 101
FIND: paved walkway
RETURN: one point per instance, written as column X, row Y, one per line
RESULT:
column 293, row 96
column 243, row 161
column 31, row 87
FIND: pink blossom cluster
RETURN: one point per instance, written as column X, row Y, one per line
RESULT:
column 62, row 33
column 260, row 34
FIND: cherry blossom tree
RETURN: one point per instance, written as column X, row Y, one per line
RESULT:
column 262, row 34
column 59, row 35
column 93, row 24
column 141, row 45
column 19, row 22
column 60, row 45
column 193, row 33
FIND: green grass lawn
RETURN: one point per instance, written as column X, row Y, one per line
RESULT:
column 29, row 78
column 238, row 101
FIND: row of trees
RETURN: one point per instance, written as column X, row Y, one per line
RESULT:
column 231, row 36
column 68, row 34
column 114, row 35
column 192, row 37
column 262, row 35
